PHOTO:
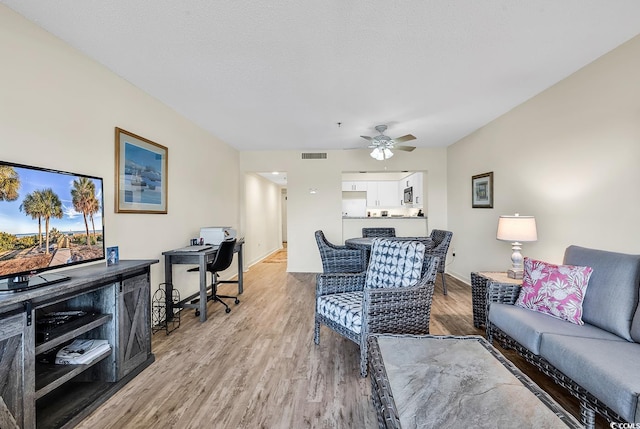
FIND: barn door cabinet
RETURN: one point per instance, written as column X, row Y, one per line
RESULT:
column 115, row 306
column 16, row 370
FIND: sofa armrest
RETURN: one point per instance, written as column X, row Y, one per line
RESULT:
column 499, row 293
column 339, row 283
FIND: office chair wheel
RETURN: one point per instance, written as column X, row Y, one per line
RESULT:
column 237, row 301
column 197, row 313
column 227, row 310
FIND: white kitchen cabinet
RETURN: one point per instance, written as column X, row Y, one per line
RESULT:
column 382, row 194
column 354, row 186
column 414, row 181
column 417, row 190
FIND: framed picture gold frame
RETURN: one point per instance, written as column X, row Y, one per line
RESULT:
column 141, row 174
column 482, row 191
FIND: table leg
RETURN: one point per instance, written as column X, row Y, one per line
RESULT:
column 203, row 289
column 168, row 289
column 240, row 270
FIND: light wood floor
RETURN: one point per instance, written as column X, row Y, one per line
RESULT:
column 258, row 367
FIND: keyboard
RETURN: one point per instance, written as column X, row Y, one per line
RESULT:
column 197, row 248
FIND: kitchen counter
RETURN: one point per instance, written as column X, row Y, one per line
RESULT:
column 383, row 217
column 406, row 226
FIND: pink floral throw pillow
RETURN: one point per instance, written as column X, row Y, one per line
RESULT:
column 556, row 290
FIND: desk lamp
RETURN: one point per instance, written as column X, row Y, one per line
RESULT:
column 516, row 229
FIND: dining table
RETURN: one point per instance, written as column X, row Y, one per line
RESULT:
column 361, row 243
column 365, row 243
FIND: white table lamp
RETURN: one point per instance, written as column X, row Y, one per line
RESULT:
column 516, row 229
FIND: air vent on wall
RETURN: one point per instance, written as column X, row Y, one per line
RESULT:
column 319, row 155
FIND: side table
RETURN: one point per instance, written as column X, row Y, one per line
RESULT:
column 479, row 283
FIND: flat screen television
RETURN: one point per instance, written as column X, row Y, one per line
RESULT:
column 49, row 219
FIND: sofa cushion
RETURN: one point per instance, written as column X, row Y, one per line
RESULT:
column 612, row 295
column 527, row 327
column 609, row 370
column 635, row 326
column 556, row 290
column 343, row 308
column 394, row 263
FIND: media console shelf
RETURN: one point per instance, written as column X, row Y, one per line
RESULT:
column 113, row 304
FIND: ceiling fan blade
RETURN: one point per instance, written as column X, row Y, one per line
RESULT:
column 405, row 138
column 404, row 148
column 366, row 137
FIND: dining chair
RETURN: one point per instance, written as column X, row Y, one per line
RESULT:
column 391, row 297
column 378, row 232
column 340, row 259
column 428, row 245
column 441, row 241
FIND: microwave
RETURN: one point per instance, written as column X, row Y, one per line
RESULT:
column 408, row 195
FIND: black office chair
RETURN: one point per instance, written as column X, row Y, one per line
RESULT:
column 223, row 260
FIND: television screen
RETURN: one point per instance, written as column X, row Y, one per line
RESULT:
column 48, row 219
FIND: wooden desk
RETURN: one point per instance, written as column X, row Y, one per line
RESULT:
column 201, row 258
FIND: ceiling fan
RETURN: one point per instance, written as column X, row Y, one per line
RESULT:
column 382, row 144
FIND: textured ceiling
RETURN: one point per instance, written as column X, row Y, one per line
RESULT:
column 281, row 74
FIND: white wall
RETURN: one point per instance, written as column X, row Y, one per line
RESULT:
column 58, row 109
column 263, row 222
column 309, row 212
column 569, row 156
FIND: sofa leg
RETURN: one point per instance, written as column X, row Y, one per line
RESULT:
column 587, row 416
column 363, row 360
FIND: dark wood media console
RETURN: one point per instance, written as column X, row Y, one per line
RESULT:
column 115, row 306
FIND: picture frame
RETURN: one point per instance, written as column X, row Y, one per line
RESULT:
column 482, row 191
column 141, row 174
column 113, row 256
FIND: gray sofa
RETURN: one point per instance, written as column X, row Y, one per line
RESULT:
column 598, row 362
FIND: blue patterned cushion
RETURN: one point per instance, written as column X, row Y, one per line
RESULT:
column 343, row 308
column 394, row 263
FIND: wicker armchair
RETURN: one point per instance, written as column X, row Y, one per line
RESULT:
column 378, row 232
column 340, row 259
column 386, row 299
column 441, row 240
column 428, row 245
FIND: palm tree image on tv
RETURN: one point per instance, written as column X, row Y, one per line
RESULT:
column 48, row 219
column 44, row 204
column 33, row 205
column 84, row 200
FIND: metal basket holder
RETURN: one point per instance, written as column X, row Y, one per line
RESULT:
column 159, row 313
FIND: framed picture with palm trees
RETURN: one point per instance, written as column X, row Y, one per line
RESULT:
column 141, row 174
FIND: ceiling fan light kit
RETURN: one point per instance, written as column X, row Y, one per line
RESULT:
column 382, row 144
column 381, row 154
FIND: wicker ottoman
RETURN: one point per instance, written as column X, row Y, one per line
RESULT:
column 446, row 381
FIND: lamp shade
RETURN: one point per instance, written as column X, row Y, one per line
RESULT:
column 517, row 228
